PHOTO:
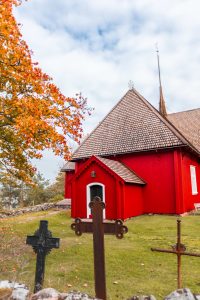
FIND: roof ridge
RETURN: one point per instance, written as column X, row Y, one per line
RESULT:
column 133, row 171
column 101, row 159
column 117, row 161
column 167, row 122
column 178, row 112
column 92, row 143
column 188, row 123
column 178, row 134
column 99, row 124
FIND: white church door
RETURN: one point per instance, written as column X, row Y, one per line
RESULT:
column 93, row 190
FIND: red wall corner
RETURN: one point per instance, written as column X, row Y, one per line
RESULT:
column 68, row 185
column 188, row 198
column 178, row 178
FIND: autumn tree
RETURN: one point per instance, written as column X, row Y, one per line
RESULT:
column 34, row 114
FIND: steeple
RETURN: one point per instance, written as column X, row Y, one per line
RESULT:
column 162, row 107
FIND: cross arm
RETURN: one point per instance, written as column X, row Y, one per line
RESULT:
column 52, row 243
column 49, row 243
column 164, row 250
column 117, row 228
column 175, row 252
column 32, row 240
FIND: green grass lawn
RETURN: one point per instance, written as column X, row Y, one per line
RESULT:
column 131, row 267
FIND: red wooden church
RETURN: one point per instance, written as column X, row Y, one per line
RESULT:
column 138, row 160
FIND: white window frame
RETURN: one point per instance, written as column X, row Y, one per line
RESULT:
column 89, row 200
column 193, row 178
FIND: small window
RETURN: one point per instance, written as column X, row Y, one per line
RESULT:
column 96, row 190
column 193, row 180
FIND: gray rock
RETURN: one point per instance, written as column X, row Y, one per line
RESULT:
column 19, row 291
column 52, row 294
column 142, row 297
column 48, row 293
column 181, row 294
column 78, row 296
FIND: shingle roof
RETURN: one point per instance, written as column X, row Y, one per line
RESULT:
column 121, row 170
column 188, row 123
column 69, row 166
column 132, row 125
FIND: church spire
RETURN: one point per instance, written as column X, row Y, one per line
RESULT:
column 162, row 107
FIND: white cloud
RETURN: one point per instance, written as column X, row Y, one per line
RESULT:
column 97, row 46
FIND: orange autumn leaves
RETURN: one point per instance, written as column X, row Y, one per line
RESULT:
column 34, row 114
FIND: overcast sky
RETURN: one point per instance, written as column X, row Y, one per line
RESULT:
column 98, row 46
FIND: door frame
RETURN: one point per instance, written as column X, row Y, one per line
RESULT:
column 88, row 197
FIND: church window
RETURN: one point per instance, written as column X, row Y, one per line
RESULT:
column 193, row 180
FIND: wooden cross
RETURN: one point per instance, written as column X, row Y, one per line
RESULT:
column 42, row 243
column 99, row 227
column 179, row 249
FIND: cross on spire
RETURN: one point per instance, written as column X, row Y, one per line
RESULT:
column 130, row 85
column 162, row 106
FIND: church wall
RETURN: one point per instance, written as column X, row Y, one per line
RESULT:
column 133, row 200
column 79, row 164
column 168, row 188
column 79, row 194
column 68, row 186
column 178, row 179
column 188, row 198
column 157, row 169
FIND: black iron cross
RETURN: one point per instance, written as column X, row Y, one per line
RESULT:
column 179, row 249
column 99, row 227
column 42, row 243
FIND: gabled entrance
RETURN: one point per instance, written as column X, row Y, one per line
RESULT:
column 95, row 189
column 120, row 189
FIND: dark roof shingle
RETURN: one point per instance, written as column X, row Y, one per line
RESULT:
column 132, row 125
column 188, row 123
column 121, row 170
column 69, row 166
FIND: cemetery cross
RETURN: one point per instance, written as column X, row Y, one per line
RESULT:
column 99, row 227
column 179, row 249
column 42, row 243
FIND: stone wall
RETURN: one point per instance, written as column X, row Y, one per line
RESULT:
column 24, row 210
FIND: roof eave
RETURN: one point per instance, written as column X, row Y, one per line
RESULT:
column 132, row 151
column 136, row 183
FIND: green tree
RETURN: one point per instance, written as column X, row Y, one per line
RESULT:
column 38, row 193
column 17, row 193
column 10, row 194
column 56, row 190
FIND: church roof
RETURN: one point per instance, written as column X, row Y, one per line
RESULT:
column 133, row 125
column 188, row 123
column 121, row 170
column 69, row 166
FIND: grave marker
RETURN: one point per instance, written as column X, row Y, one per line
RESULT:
column 42, row 243
column 179, row 249
column 99, row 227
